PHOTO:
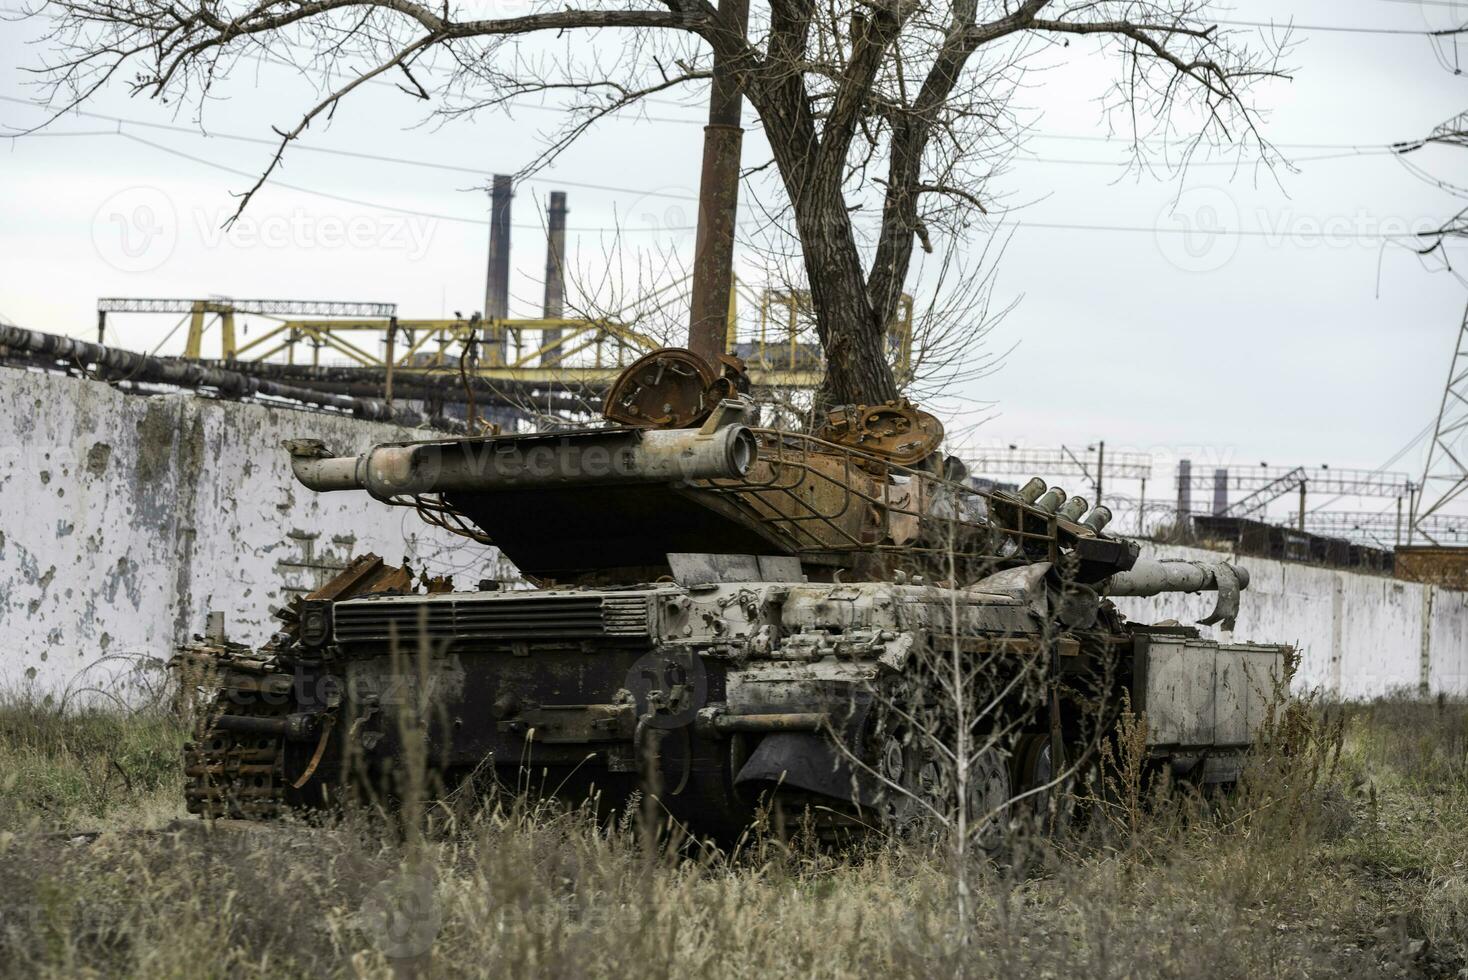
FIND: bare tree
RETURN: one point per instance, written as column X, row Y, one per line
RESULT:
column 888, row 108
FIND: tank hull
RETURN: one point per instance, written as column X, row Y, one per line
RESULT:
column 712, row 699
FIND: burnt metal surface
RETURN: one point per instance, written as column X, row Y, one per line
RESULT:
column 666, row 389
column 721, row 693
column 895, row 431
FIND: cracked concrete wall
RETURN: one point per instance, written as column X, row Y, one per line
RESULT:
column 1359, row 635
column 124, row 520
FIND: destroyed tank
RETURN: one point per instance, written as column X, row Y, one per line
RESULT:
column 726, row 618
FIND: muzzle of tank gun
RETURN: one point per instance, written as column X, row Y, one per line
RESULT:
column 1149, row 578
column 602, row 457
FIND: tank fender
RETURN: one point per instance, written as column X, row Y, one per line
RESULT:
column 1025, row 583
column 813, row 761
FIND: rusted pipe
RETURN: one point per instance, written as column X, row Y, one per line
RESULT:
column 789, row 721
column 718, row 197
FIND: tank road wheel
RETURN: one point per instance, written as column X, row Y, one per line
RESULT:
column 902, row 768
column 925, row 788
column 1051, row 809
column 911, row 783
column 989, row 795
column 1033, row 769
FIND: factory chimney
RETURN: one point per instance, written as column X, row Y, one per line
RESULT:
column 497, row 278
column 555, row 273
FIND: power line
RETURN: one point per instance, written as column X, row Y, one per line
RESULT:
column 1422, row 433
column 1344, row 29
column 1351, row 150
column 361, row 203
column 1018, row 224
column 259, row 140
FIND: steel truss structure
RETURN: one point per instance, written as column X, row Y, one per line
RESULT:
column 1445, row 474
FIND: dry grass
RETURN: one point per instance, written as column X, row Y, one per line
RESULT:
column 1344, row 855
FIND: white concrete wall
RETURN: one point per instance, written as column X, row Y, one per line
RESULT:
column 1359, row 635
column 125, row 519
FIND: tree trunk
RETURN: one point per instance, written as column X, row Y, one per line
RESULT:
column 852, row 332
column 858, row 370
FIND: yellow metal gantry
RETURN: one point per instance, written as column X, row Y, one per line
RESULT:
column 779, row 351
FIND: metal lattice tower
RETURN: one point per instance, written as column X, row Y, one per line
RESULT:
column 1445, row 476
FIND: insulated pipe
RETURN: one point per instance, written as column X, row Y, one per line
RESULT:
column 608, row 456
column 1148, row 578
column 130, row 366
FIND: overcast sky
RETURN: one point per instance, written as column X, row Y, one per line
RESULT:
column 1302, row 341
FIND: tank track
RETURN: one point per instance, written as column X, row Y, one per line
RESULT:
column 231, row 773
column 234, row 774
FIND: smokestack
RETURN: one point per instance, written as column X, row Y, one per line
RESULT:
column 1184, row 488
column 497, row 279
column 1220, row 492
column 555, row 273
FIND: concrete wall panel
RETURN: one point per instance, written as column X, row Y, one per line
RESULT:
column 1359, row 635
column 124, row 520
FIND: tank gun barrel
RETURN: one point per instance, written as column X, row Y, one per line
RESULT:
column 522, row 462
